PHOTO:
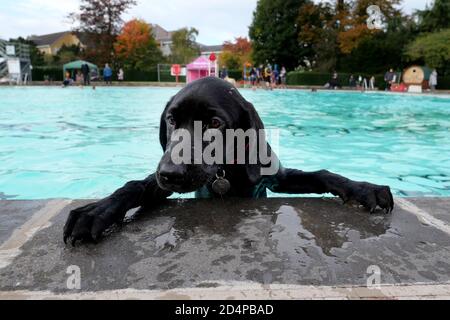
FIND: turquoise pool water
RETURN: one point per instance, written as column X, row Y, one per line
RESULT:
column 81, row 143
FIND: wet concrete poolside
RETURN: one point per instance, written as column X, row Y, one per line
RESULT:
column 278, row 248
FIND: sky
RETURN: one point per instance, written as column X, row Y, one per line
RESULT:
column 216, row 20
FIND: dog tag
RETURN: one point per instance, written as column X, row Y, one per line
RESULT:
column 221, row 185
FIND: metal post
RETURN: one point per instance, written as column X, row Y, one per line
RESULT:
column 159, row 77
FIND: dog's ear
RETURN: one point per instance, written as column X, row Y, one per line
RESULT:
column 253, row 121
column 163, row 138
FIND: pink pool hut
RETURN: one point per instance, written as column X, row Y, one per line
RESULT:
column 199, row 68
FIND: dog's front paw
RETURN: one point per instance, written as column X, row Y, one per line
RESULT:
column 370, row 196
column 89, row 222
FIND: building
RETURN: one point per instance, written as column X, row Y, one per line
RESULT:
column 51, row 43
column 163, row 37
column 206, row 51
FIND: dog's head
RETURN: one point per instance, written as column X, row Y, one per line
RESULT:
column 210, row 106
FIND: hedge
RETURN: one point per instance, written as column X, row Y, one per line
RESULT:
column 50, row 73
column 296, row 78
column 320, row 79
column 56, row 74
column 443, row 83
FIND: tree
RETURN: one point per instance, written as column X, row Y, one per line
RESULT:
column 317, row 35
column 184, row 47
column 274, row 32
column 435, row 18
column 67, row 54
column 100, row 21
column 230, row 60
column 236, row 54
column 433, row 49
column 136, row 48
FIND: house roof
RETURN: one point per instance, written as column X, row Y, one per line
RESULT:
column 47, row 39
column 160, row 33
column 215, row 48
column 201, row 63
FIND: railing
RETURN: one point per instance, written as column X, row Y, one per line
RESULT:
column 2, row 48
column 22, row 51
column 3, row 69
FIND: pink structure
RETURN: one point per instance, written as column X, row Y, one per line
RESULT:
column 199, row 68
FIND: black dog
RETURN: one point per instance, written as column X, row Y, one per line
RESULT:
column 219, row 106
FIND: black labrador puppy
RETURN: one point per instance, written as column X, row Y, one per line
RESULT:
column 219, row 106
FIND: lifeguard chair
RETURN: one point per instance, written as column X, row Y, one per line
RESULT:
column 15, row 63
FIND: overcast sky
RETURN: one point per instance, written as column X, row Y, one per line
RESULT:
column 217, row 20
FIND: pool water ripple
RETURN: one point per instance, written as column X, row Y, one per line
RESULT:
column 81, row 143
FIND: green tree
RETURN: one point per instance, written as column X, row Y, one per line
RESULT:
column 230, row 60
column 67, row 54
column 184, row 46
column 433, row 49
column 274, row 33
column 317, row 35
column 436, row 17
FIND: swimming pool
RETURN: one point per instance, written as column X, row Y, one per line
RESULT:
column 81, row 143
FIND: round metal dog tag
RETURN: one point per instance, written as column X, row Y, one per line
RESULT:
column 221, row 185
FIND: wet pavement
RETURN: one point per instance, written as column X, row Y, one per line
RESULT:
column 209, row 244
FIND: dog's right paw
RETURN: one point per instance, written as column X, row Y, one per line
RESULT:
column 89, row 222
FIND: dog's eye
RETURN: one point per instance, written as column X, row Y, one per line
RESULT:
column 171, row 121
column 215, row 123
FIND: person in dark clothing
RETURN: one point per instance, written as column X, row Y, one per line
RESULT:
column 334, row 82
column 352, row 82
column 223, row 73
column 85, row 70
column 389, row 78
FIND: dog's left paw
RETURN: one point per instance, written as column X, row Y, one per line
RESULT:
column 370, row 196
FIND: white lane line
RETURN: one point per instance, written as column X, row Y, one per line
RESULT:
column 40, row 220
column 423, row 216
column 250, row 291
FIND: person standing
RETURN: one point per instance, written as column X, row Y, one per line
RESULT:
column 389, row 79
column 223, row 73
column 85, row 70
column 107, row 74
column 253, row 77
column 121, row 75
column 352, row 82
column 268, row 76
column 433, row 80
column 283, row 77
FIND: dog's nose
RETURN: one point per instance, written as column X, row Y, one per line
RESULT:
column 171, row 173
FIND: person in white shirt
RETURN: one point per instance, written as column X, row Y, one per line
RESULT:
column 433, row 80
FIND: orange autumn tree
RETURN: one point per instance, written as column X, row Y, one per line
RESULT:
column 236, row 54
column 136, row 48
